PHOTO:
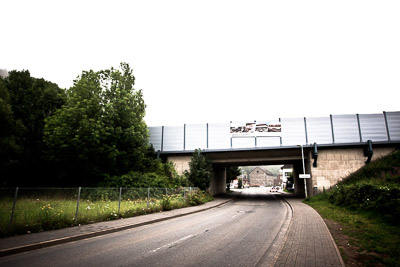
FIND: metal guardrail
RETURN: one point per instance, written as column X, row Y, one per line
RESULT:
column 332, row 130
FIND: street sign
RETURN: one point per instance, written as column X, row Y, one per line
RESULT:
column 304, row 176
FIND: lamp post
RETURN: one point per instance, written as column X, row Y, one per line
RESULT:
column 304, row 171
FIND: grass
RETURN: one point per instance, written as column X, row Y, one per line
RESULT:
column 36, row 215
column 375, row 238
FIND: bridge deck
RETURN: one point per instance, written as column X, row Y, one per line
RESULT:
column 335, row 130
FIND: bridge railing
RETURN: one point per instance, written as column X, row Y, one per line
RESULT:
column 335, row 129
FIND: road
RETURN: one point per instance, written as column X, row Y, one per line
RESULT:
column 243, row 232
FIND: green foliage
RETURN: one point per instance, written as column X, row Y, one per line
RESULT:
column 384, row 200
column 375, row 187
column 201, row 171
column 94, row 133
column 232, row 173
column 25, row 102
column 198, row 197
column 9, row 147
column 385, row 170
column 159, row 175
column 56, row 210
column 240, row 183
column 100, row 131
column 377, row 239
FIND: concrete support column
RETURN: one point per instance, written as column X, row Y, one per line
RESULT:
column 298, row 183
column 218, row 183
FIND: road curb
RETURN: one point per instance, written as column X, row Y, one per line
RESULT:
column 284, row 239
column 54, row 242
column 334, row 243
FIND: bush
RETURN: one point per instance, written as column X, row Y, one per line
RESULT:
column 375, row 187
column 162, row 175
column 384, row 200
column 198, row 197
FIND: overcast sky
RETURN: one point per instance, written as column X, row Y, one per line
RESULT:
column 218, row 61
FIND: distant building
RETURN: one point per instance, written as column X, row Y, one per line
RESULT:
column 278, row 181
column 261, row 177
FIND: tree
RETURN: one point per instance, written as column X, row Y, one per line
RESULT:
column 9, row 149
column 201, row 171
column 100, row 131
column 26, row 102
column 232, row 173
column 240, row 183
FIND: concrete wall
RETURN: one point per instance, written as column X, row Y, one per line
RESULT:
column 336, row 164
column 181, row 163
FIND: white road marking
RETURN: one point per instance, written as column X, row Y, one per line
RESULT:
column 173, row 243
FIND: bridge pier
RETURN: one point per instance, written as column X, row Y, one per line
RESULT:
column 218, row 183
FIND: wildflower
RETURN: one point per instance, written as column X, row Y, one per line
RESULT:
column 88, row 208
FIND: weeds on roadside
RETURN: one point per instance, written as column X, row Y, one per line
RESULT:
column 36, row 215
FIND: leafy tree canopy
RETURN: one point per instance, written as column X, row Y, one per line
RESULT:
column 232, row 173
column 24, row 104
column 100, row 131
column 201, row 171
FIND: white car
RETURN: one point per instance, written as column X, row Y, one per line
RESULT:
column 273, row 189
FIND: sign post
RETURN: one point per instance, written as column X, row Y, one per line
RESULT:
column 304, row 175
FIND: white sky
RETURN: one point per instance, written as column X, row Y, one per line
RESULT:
column 218, row 61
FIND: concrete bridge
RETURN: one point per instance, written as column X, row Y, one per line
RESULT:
column 333, row 146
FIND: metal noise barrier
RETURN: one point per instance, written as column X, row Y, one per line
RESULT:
column 329, row 130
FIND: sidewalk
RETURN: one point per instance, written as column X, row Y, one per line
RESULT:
column 22, row 243
column 308, row 241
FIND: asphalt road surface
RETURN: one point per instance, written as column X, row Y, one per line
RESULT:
column 244, row 232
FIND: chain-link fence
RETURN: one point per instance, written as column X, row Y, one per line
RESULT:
column 25, row 210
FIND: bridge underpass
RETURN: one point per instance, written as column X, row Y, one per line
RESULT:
column 333, row 146
column 258, row 158
column 332, row 164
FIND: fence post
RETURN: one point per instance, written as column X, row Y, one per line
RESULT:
column 119, row 202
column 166, row 192
column 184, row 196
column 77, row 205
column 148, row 196
column 13, row 208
